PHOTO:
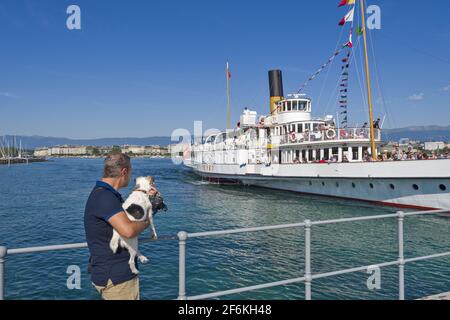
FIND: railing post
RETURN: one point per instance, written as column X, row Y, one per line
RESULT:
column 308, row 278
column 182, row 237
column 401, row 256
column 3, row 252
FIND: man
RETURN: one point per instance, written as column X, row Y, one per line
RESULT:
column 110, row 273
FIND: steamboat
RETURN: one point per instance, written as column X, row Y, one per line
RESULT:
column 291, row 150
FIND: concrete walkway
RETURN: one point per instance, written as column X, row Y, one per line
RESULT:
column 442, row 296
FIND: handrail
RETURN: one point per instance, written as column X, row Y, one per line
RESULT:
column 307, row 278
column 308, row 275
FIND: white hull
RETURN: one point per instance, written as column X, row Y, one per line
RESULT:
column 415, row 184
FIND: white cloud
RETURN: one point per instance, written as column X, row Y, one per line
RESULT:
column 7, row 95
column 447, row 88
column 417, row 97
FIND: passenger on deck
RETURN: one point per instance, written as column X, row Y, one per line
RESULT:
column 376, row 124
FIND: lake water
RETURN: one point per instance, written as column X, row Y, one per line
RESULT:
column 43, row 204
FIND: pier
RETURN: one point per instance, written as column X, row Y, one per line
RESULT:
column 21, row 161
column 307, row 277
column 441, row 297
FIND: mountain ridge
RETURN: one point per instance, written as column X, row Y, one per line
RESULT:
column 421, row 133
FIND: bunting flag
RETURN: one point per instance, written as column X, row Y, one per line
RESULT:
column 228, row 71
column 323, row 67
column 348, row 17
column 350, row 40
column 359, row 31
column 346, row 3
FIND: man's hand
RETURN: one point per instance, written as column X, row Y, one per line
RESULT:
column 127, row 228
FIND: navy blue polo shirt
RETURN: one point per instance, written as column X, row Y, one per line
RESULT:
column 104, row 202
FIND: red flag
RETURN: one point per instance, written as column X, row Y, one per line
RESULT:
column 346, row 2
column 348, row 17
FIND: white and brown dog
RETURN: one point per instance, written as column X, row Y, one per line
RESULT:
column 138, row 208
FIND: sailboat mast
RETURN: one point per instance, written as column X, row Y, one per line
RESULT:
column 369, row 94
column 228, row 96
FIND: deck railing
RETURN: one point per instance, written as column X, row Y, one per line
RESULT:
column 307, row 277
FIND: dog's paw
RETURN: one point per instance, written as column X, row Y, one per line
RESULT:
column 154, row 236
column 135, row 271
column 143, row 259
column 114, row 245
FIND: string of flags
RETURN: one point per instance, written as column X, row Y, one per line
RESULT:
column 343, row 102
column 323, row 67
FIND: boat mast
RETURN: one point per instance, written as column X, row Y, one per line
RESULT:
column 228, row 96
column 369, row 95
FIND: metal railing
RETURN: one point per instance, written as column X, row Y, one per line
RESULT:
column 307, row 277
column 292, row 138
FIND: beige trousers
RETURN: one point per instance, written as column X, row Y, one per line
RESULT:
column 123, row 291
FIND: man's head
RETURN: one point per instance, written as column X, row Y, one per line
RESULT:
column 118, row 168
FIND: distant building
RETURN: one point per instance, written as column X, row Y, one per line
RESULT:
column 41, row 152
column 145, row 150
column 433, row 146
column 62, row 151
column 179, row 150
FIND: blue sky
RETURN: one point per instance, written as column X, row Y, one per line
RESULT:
column 143, row 68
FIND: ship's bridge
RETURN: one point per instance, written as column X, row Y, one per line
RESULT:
column 295, row 108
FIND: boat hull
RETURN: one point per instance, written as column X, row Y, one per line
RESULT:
column 414, row 184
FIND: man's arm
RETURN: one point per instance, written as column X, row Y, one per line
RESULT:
column 127, row 228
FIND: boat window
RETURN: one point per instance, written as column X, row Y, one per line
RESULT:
column 392, row 186
column 294, row 105
column 337, row 184
column 353, row 185
column 315, row 127
column 302, row 105
column 326, row 154
column 355, row 153
column 415, row 187
column 307, row 126
column 443, row 187
column 372, row 186
column 335, row 151
column 289, row 106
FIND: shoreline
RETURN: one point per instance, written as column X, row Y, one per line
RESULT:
column 21, row 161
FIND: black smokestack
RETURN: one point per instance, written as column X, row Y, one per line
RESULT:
column 276, row 83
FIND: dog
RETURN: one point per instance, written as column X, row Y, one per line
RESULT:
column 138, row 207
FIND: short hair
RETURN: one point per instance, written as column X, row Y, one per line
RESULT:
column 114, row 163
